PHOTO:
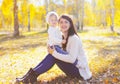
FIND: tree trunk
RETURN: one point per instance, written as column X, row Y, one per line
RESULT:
column 103, row 13
column 112, row 16
column 28, row 20
column 46, row 4
column 82, row 15
column 78, row 14
column 65, row 5
column 1, row 13
column 94, row 10
column 16, row 26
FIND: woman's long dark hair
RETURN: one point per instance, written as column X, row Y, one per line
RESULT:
column 71, row 30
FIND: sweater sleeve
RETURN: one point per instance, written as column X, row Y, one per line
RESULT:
column 55, row 38
column 72, row 53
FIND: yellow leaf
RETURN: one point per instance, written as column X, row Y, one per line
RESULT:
column 106, row 81
column 115, row 80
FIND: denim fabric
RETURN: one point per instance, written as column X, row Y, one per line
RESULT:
column 48, row 62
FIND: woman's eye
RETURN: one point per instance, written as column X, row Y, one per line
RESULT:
column 66, row 21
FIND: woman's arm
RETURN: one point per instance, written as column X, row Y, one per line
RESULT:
column 72, row 53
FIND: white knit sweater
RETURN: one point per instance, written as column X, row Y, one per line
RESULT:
column 54, row 36
column 75, row 50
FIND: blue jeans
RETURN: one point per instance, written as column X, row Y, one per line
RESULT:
column 59, row 49
column 48, row 62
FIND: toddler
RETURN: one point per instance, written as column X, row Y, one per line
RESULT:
column 54, row 34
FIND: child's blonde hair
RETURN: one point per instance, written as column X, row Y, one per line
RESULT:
column 49, row 14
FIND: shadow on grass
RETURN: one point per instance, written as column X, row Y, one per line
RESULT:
column 25, row 46
column 7, row 38
column 31, row 40
column 33, row 45
column 4, row 38
column 63, row 80
column 111, row 50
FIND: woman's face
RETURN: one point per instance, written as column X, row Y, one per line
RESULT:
column 64, row 25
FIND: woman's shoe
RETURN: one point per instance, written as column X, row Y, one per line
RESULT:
column 29, row 77
column 20, row 79
column 89, row 79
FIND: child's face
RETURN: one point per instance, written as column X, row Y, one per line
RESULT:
column 53, row 21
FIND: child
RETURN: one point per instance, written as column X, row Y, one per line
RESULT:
column 54, row 34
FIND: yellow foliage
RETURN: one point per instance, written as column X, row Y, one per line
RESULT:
column 117, row 18
column 93, row 13
column 106, row 81
column 115, row 80
column 7, row 7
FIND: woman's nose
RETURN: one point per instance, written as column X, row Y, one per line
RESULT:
column 63, row 23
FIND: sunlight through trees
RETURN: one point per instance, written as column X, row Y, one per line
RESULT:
column 31, row 14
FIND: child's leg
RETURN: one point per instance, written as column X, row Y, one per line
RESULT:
column 45, row 65
column 58, row 49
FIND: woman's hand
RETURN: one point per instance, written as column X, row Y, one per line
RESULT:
column 51, row 50
column 63, row 41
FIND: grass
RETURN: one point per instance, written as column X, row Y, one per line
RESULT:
column 17, row 55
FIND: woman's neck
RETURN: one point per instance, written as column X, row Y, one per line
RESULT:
column 65, row 34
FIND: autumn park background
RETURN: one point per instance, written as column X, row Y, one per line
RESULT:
column 23, row 37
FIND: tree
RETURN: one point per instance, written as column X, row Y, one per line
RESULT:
column 65, row 5
column 7, row 14
column 16, row 25
column 80, row 14
column 2, row 19
column 112, row 15
column 47, row 6
column 28, row 19
column 77, row 14
column 28, row 7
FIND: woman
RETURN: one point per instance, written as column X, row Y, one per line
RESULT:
column 73, row 64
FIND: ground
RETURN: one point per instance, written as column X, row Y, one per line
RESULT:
column 102, row 47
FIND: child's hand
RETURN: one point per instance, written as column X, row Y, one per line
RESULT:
column 63, row 41
column 51, row 49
